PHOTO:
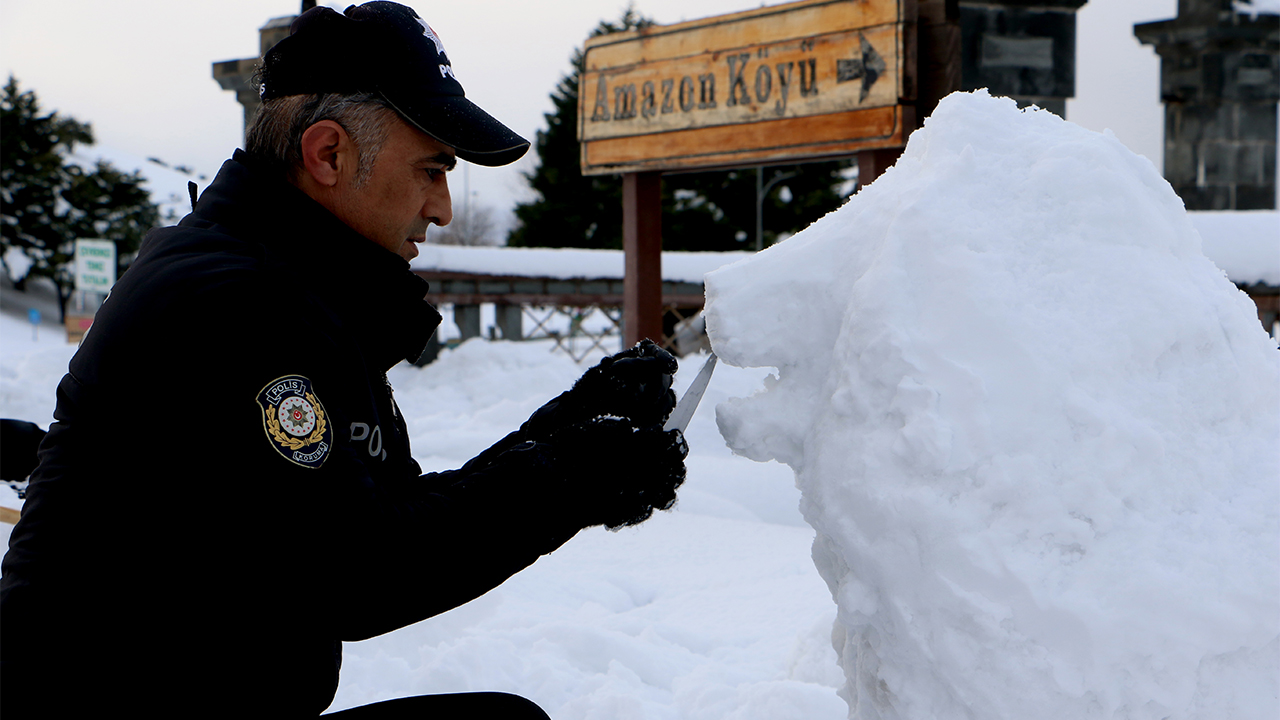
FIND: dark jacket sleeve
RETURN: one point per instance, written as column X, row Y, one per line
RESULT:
column 450, row 539
column 373, row 549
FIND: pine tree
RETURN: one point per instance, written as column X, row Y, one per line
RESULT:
column 717, row 210
column 572, row 210
column 700, row 211
column 46, row 202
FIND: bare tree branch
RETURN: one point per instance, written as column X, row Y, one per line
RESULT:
column 474, row 225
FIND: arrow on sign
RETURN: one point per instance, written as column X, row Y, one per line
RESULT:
column 869, row 68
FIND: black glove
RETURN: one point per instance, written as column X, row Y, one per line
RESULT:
column 21, row 440
column 617, row 474
column 634, row 384
column 595, row 454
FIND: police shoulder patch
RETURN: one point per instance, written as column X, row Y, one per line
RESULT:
column 295, row 421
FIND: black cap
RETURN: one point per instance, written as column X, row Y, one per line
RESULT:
column 385, row 48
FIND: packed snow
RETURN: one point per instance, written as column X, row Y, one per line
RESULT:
column 1258, row 7
column 1245, row 244
column 711, row 611
column 564, row 263
column 1036, row 430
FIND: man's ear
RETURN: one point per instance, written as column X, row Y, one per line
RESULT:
column 327, row 152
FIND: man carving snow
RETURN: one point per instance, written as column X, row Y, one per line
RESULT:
column 228, row 492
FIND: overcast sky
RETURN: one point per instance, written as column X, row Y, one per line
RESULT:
column 140, row 71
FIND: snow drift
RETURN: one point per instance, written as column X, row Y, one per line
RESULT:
column 1035, row 429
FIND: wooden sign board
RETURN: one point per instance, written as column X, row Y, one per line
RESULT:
column 799, row 81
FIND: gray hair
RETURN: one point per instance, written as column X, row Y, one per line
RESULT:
column 275, row 136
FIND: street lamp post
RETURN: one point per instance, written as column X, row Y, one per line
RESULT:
column 762, row 190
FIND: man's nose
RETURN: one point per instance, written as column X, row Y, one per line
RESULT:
column 439, row 206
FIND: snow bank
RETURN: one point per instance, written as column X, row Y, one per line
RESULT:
column 1035, row 429
column 1245, row 244
column 1258, row 7
column 564, row 263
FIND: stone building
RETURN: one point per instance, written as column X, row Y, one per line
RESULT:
column 1023, row 49
column 1220, row 82
column 237, row 75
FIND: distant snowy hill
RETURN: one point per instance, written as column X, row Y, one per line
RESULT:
column 168, row 185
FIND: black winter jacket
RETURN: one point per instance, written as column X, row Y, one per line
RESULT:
column 228, row 492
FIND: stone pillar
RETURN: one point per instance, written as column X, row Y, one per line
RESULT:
column 1220, row 82
column 431, row 352
column 237, row 75
column 1023, row 49
column 467, row 318
column 510, row 319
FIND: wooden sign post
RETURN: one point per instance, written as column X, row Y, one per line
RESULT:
column 808, row 80
column 642, row 248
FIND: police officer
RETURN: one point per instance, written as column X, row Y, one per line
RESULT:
column 227, row 493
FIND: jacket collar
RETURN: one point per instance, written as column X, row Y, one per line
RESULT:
column 370, row 289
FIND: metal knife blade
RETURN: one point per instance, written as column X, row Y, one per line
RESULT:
column 683, row 413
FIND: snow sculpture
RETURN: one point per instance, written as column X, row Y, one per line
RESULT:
column 1036, row 430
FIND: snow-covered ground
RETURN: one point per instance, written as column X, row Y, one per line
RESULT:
column 1258, row 7
column 167, row 185
column 711, row 611
column 1036, row 429
column 564, row 262
column 1245, row 244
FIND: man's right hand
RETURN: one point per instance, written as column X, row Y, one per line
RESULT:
column 634, row 385
column 619, row 474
